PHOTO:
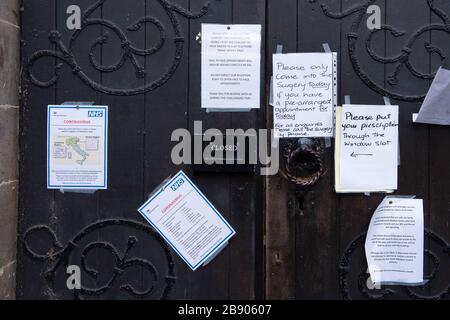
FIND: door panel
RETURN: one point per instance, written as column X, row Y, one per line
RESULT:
column 292, row 242
column 151, row 92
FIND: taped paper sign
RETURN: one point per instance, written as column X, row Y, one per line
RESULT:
column 394, row 243
column 304, row 94
column 436, row 108
column 366, row 152
column 231, row 66
column 77, row 147
column 187, row 221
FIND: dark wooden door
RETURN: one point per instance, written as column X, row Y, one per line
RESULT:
column 292, row 242
column 153, row 92
column 315, row 237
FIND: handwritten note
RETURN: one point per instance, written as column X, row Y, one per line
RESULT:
column 366, row 152
column 231, row 64
column 394, row 242
column 304, row 92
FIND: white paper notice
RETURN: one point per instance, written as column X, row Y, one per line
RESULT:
column 366, row 148
column 187, row 221
column 394, row 243
column 304, row 94
column 231, row 66
column 77, row 147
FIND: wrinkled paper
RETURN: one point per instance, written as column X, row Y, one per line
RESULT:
column 395, row 242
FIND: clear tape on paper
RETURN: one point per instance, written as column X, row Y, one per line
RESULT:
column 279, row 50
column 210, row 110
column 215, row 254
column 83, row 191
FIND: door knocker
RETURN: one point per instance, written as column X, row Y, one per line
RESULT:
column 303, row 166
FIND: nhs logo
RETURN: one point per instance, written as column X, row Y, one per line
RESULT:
column 95, row 114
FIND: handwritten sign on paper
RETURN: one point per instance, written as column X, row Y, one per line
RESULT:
column 304, row 91
column 366, row 148
column 231, row 64
column 394, row 242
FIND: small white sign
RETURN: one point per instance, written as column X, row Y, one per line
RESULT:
column 187, row 221
column 366, row 153
column 394, row 243
column 231, row 66
column 304, row 94
column 77, row 147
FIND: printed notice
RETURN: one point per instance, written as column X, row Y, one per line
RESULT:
column 187, row 221
column 231, row 66
column 435, row 108
column 394, row 243
column 77, row 147
column 366, row 153
column 304, row 94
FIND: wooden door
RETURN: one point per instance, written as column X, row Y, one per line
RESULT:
column 142, row 58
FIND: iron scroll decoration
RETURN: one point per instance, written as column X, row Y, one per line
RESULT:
column 59, row 256
column 346, row 271
column 402, row 60
column 65, row 53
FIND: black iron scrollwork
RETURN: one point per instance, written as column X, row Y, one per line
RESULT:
column 59, row 255
column 347, row 272
column 399, row 61
column 65, row 54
